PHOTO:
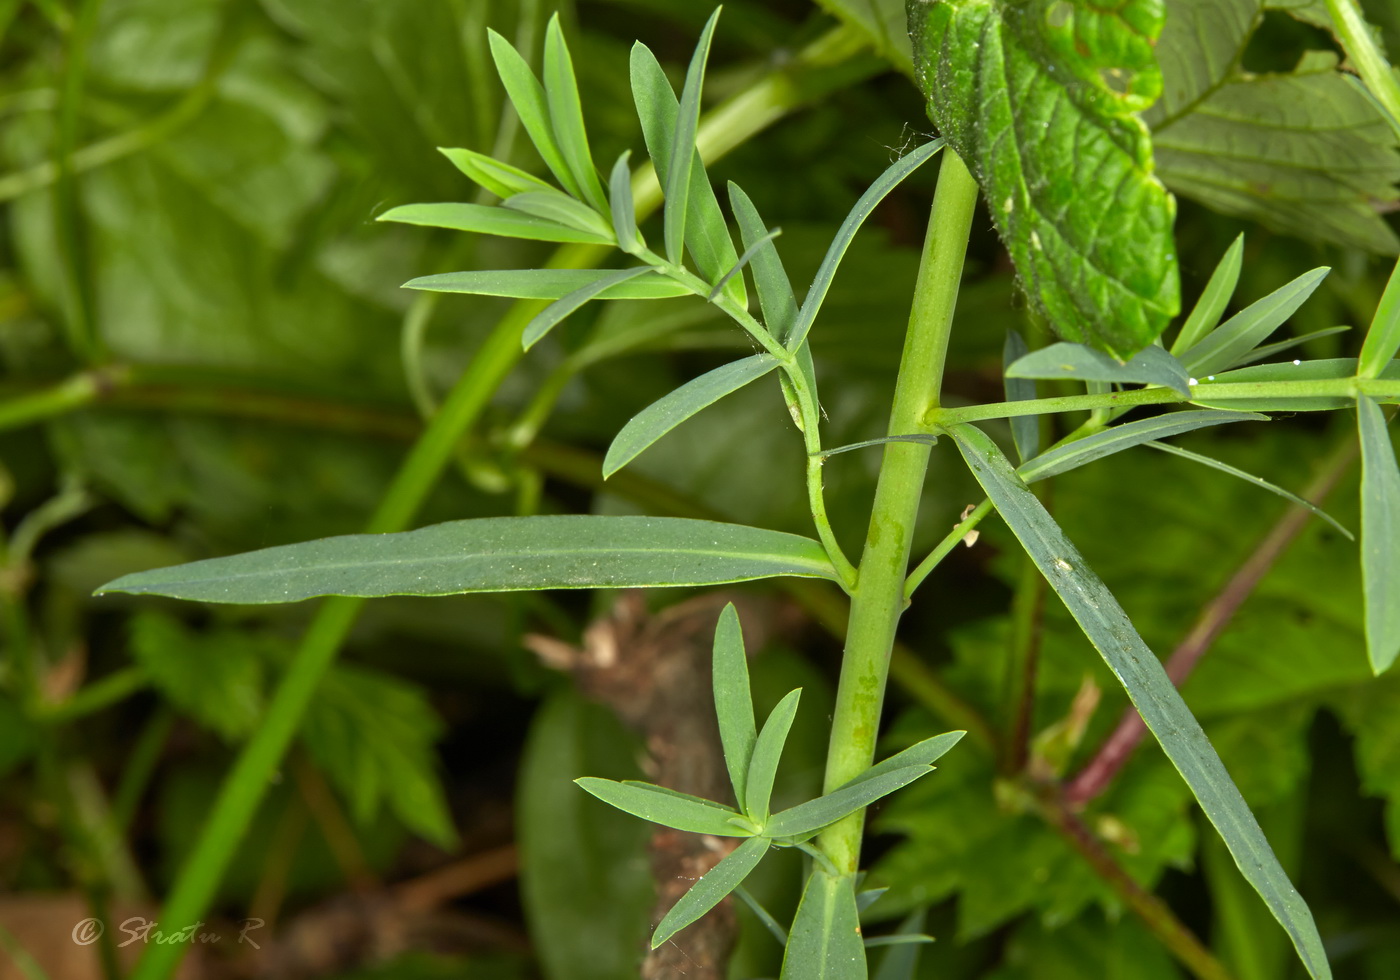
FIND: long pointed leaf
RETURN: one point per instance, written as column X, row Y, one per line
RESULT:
column 545, row 284
column 1380, row 535
column 554, row 206
column 566, row 116
column 810, row 817
column 624, row 210
column 775, row 296
column 499, row 178
column 683, row 144
column 1270, row 350
column 733, row 699
column 711, row 889
column 1216, row 296
column 486, row 220
column 923, row 753
column 902, row 962
column 1151, row 365
column 664, row 414
column 767, row 751
column 494, row 554
column 1383, row 337
column 825, row 942
column 1025, row 429
column 531, row 105
column 1076, row 454
column 885, row 183
column 738, row 267
column 548, row 318
column 1140, row 672
column 1246, row 329
column 668, row 808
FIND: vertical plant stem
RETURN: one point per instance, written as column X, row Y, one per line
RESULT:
column 1027, row 611
column 878, row 598
column 1365, row 54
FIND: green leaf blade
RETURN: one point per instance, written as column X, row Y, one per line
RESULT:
column 484, row 220
column 493, row 175
column 1383, row 337
column 1151, row 365
column 1025, row 429
column 825, row 941
column 560, row 208
column 545, row 284
column 664, row 414
column 712, row 888
column 1380, row 536
column 767, row 751
column 624, row 210
column 808, row 818
column 1065, row 163
column 566, row 116
column 663, row 806
column 683, row 153
column 775, row 296
column 1206, row 314
column 553, row 314
column 1107, row 626
column 1245, row 330
column 532, row 106
column 733, row 699
column 493, row 554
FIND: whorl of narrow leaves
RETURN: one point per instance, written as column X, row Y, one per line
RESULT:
column 1040, row 98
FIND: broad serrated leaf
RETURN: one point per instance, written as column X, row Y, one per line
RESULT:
column 624, row 210
column 566, row 116
column 1140, row 672
column 767, row 751
column 1383, row 337
column 706, row 236
column 733, row 699
column 215, row 676
column 1075, row 454
column 532, row 106
column 1380, row 535
column 486, row 220
column 711, row 889
column 825, row 941
column 1210, row 307
column 545, row 284
column 664, row 414
column 1248, row 328
column 1040, row 99
column 807, row 818
column 552, row 315
column 666, row 807
column 494, row 554
column 562, row 209
column 1151, row 365
column 499, row 178
column 1025, row 429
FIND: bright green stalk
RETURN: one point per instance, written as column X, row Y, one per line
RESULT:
column 1361, row 48
column 878, row 598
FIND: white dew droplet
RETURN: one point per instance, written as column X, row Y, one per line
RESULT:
column 1192, row 381
column 1296, row 362
column 1210, row 377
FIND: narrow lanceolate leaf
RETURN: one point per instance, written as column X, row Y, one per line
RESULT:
column 1251, row 385
column 1025, row 429
column 499, row 178
column 664, row 414
column 1273, row 350
column 1258, row 481
column 825, row 941
column 1151, row 365
column 566, row 116
column 807, row 818
column 775, row 296
column 710, row 890
column 624, row 211
column 1245, row 330
column 706, row 235
column 1120, row 437
column 554, row 206
column 1041, row 100
column 923, row 753
column 767, row 750
column 486, row 220
column 546, row 284
column 683, row 144
column 738, row 267
column 549, row 317
column 1383, row 338
column 1211, row 306
column 1380, row 536
column 663, row 806
column 733, row 699
column 876, row 193
column 532, row 106
column 1137, row 668
column 494, row 554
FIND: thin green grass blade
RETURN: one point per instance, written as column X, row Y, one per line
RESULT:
column 545, row 284
column 763, row 915
column 733, row 699
column 1244, row 331
column 532, row 106
column 1258, row 481
column 1270, row 350
column 624, row 211
column 1216, row 296
column 767, row 750
column 1137, row 668
column 1025, row 429
column 1380, row 535
column 825, row 940
column 770, row 279
column 494, row 554
column 921, row 438
column 885, row 183
column 744, row 260
column 499, row 178
column 548, row 318
column 683, row 155
column 566, row 116
column 1120, row 437
column 488, row 220
column 664, row 414
column 711, row 889
column 666, row 807
column 554, row 206
column 1383, row 337
column 807, row 818
column 706, row 235
column 867, row 897
column 1151, row 365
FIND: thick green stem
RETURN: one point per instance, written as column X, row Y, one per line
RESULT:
column 1365, row 54
column 878, row 598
